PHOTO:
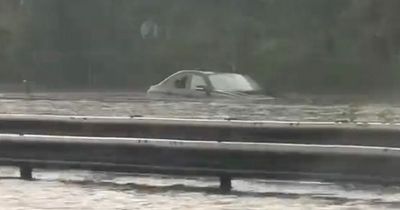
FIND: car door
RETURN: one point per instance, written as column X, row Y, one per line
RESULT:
column 198, row 86
column 179, row 85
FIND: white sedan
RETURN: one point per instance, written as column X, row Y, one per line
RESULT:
column 201, row 84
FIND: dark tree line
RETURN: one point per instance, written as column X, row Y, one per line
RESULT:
column 286, row 45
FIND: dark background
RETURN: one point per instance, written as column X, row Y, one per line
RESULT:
column 305, row 46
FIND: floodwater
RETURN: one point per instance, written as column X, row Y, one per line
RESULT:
column 124, row 104
column 96, row 190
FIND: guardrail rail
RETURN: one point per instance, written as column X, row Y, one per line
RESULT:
column 221, row 148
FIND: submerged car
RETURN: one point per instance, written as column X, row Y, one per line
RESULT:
column 200, row 84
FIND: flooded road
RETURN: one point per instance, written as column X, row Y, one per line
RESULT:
column 89, row 190
column 96, row 190
column 133, row 105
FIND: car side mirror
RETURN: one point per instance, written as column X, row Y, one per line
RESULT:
column 201, row 88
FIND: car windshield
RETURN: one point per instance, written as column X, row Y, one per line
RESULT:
column 233, row 82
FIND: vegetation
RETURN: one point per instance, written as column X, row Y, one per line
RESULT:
column 303, row 45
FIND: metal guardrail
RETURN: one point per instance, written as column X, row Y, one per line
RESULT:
column 200, row 158
column 326, row 133
column 222, row 148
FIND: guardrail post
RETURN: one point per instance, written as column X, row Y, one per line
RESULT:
column 25, row 172
column 225, row 183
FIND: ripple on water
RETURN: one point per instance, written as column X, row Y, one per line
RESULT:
column 201, row 109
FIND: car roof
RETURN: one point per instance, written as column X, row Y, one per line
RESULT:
column 202, row 72
column 196, row 71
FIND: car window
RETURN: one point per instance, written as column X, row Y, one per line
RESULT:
column 182, row 82
column 197, row 80
column 232, row 82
